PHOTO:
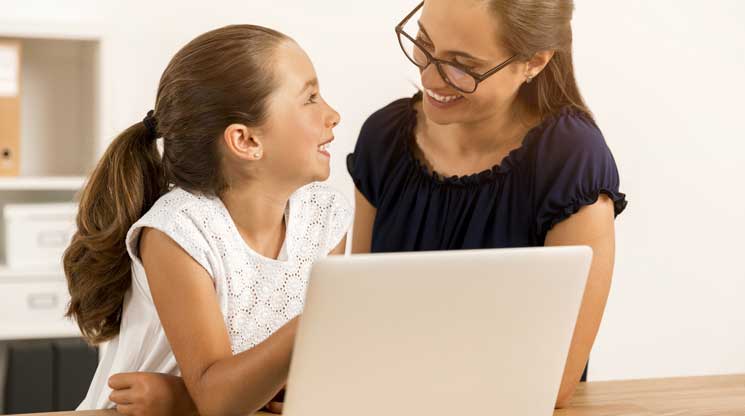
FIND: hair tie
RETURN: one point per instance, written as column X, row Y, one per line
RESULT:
column 151, row 124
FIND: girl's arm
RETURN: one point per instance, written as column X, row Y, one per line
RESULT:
column 219, row 382
column 591, row 226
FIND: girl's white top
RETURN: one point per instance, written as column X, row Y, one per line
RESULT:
column 257, row 295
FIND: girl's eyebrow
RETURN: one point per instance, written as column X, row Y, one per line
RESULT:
column 309, row 84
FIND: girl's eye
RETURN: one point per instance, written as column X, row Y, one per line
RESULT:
column 312, row 99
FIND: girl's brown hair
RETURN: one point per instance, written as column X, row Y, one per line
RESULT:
column 531, row 26
column 220, row 78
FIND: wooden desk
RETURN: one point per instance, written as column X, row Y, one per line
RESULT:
column 692, row 396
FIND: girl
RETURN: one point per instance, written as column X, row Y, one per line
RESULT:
column 196, row 263
column 499, row 150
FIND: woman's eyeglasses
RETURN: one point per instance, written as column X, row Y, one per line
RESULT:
column 453, row 73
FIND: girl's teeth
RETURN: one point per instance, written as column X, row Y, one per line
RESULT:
column 442, row 98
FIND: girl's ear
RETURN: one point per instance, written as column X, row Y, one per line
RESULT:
column 243, row 142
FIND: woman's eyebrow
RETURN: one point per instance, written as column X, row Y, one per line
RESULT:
column 455, row 53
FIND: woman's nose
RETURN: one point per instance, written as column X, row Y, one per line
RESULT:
column 431, row 78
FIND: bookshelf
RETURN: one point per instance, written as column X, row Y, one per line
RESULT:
column 60, row 98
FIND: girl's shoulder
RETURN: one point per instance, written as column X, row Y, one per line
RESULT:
column 320, row 215
column 178, row 203
column 320, row 202
column 187, row 218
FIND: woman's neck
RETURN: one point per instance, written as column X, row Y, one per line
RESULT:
column 465, row 148
column 501, row 131
column 258, row 210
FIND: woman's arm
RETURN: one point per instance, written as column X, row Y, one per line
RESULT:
column 219, row 382
column 341, row 248
column 591, row 226
column 364, row 216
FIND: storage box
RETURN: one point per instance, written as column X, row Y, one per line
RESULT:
column 10, row 107
column 36, row 235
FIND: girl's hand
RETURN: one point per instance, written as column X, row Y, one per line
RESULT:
column 276, row 405
column 151, row 394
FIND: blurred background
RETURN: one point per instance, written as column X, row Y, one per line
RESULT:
column 664, row 79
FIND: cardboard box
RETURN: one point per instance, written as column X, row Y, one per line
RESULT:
column 10, row 107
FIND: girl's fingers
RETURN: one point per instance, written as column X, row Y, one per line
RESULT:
column 121, row 396
column 121, row 381
column 275, row 407
column 125, row 409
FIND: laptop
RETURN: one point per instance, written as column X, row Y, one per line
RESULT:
column 437, row 333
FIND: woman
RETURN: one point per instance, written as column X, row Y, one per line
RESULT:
column 195, row 263
column 498, row 150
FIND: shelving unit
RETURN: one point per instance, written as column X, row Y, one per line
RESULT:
column 42, row 183
column 60, row 131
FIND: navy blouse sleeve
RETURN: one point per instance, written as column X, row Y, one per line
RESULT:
column 377, row 148
column 573, row 167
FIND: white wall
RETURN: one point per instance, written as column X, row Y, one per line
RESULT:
column 663, row 77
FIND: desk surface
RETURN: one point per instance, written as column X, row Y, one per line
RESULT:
column 691, row 396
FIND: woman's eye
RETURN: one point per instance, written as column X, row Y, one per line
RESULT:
column 427, row 44
column 466, row 66
column 312, row 99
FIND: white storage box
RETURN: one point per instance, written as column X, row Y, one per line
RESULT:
column 35, row 309
column 36, row 235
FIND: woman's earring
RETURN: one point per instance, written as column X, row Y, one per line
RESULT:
column 528, row 79
column 257, row 155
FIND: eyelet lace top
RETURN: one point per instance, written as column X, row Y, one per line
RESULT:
column 257, row 295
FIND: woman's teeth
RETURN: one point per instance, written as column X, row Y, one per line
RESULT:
column 443, row 98
column 324, row 147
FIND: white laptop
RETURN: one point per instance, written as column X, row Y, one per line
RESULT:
column 483, row 332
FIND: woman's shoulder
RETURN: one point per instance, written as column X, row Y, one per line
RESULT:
column 567, row 133
column 572, row 167
column 381, row 146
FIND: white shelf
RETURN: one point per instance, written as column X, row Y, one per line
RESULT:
column 60, row 124
column 42, row 183
column 60, row 329
column 19, row 275
column 46, row 29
